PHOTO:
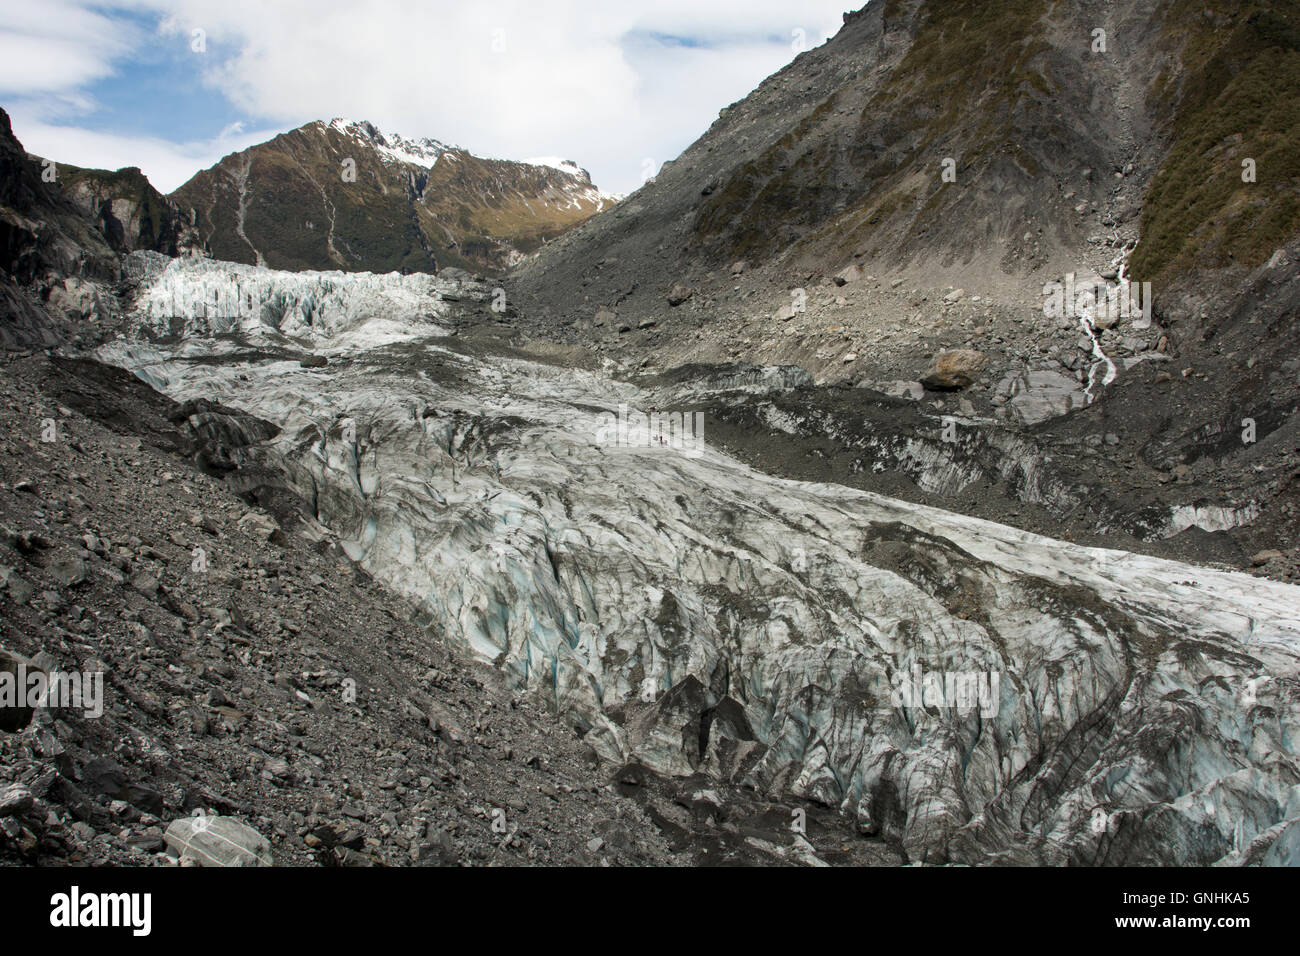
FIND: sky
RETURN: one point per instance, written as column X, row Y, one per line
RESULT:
column 171, row 86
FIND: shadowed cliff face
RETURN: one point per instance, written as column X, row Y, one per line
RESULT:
column 962, row 689
column 129, row 212
column 45, row 240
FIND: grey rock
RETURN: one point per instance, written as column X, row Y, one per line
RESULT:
column 678, row 294
column 15, row 799
column 217, row 841
column 19, row 588
column 1036, row 396
column 850, row 273
column 146, row 584
column 69, row 570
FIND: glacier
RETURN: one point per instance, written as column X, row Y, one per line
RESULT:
column 694, row 615
column 209, row 297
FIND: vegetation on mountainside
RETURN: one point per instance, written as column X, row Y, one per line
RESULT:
column 974, row 84
column 1239, row 99
column 956, row 92
column 299, row 213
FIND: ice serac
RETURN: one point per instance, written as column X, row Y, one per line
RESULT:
column 206, row 297
column 970, row 691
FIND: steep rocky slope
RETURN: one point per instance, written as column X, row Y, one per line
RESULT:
column 813, row 225
column 344, row 195
column 840, row 157
column 49, row 250
column 246, row 673
column 129, row 212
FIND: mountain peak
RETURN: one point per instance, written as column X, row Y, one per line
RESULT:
column 346, row 194
column 423, row 152
column 563, row 165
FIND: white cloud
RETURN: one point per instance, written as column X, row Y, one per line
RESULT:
column 56, row 46
column 166, row 164
column 590, row 80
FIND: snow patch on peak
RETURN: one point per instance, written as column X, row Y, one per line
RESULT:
column 582, row 191
column 563, row 165
column 423, row 152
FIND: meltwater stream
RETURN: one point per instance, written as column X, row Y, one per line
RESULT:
column 967, row 689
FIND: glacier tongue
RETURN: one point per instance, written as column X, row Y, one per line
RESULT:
column 204, row 297
column 966, row 689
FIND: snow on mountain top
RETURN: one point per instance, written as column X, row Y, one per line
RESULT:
column 570, row 168
column 418, row 152
column 556, row 162
column 426, row 152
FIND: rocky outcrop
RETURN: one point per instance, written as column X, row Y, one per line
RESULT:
column 130, row 213
column 45, row 241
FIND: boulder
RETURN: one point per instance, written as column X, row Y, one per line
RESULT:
column 217, row 841
column 69, row 570
column 954, row 369
column 850, row 273
column 106, row 776
column 1036, row 396
column 678, row 294
column 19, row 588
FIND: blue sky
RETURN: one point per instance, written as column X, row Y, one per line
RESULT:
column 611, row 86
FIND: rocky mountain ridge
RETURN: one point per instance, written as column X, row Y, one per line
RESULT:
column 346, row 195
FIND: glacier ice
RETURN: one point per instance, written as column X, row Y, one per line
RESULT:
column 697, row 615
column 207, row 297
